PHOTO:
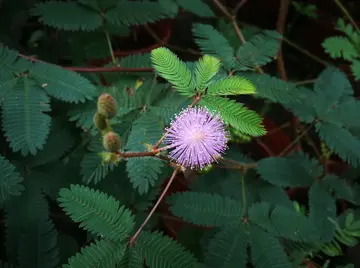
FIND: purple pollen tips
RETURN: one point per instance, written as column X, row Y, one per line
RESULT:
column 197, row 137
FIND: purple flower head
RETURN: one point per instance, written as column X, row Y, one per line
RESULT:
column 197, row 137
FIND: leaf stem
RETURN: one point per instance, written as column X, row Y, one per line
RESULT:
column 133, row 238
column 347, row 14
column 243, row 193
column 108, row 40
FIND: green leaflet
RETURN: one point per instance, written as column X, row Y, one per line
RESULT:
column 60, row 141
column 258, row 51
column 78, row 17
column 102, row 253
column 63, row 84
column 206, row 209
column 235, row 114
column 266, row 251
column 296, row 170
column 234, row 85
column 197, row 7
column 275, row 220
column 228, row 248
column 205, row 69
column 10, row 180
column 170, row 67
column 144, row 172
column 212, row 42
column 97, row 212
column 25, row 123
column 322, row 207
column 92, row 168
column 136, row 13
column 343, row 189
column 339, row 47
column 341, row 141
column 31, row 234
column 160, row 251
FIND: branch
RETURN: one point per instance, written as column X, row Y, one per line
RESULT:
column 93, row 69
column 284, row 6
column 236, row 27
column 133, row 238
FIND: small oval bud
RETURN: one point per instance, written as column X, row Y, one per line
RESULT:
column 107, row 105
column 100, row 121
column 111, row 142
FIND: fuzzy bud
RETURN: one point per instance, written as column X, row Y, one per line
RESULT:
column 111, row 142
column 100, row 122
column 107, row 105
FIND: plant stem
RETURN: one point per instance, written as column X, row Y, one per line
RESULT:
column 108, row 40
column 305, row 52
column 133, row 238
column 92, row 69
column 347, row 14
column 296, row 140
column 238, row 6
column 236, row 27
column 283, row 11
column 243, row 192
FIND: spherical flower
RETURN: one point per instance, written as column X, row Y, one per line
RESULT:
column 197, row 137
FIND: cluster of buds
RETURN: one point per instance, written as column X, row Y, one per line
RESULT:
column 106, row 110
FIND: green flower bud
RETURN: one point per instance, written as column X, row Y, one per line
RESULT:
column 107, row 105
column 100, row 121
column 111, row 142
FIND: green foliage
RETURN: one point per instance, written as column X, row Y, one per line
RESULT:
column 228, row 248
column 169, row 66
column 97, row 212
column 258, row 51
column 10, row 180
column 235, row 114
column 346, row 47
column 161, row 251
column 205, row 209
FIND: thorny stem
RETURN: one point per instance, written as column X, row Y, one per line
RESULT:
column 110, row 47
column 347, row 14
column 133, row 238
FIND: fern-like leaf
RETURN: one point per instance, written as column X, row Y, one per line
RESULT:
column 266, row 251
column 197, row 7
column 212, row 42
column 161, row 251
column 228, row 248
column 322, row 207
column 291, row 171
column 206, row 209
column 10, row 180
column 355, row 68
column 170, row 67
column 136, row 13
column 63, row 84
column 340, row 47
column 235, row 114
column 341, row 142
column 93, row 170
column 205, row 69
column 145, row 171
column 234, row 85
column 102, row 253
column 78, row 17
column 258, row 51
column 25, row 123
column 98, row 213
